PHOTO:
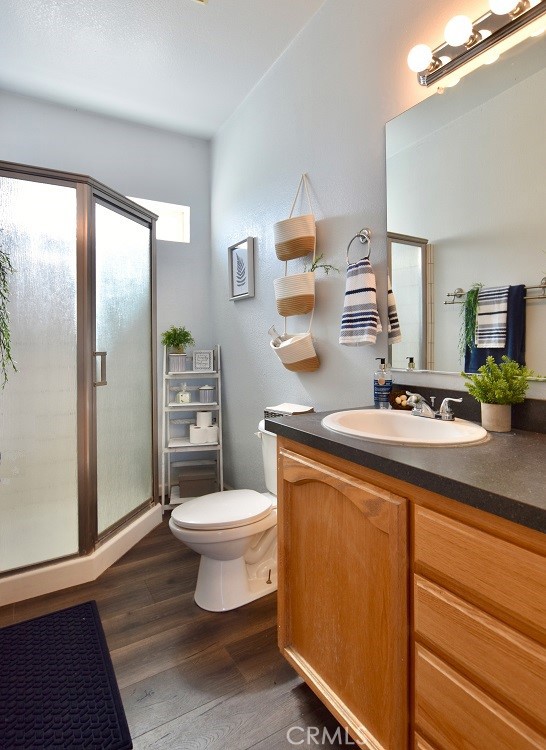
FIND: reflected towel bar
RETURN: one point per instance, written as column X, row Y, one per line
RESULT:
column 458, row 293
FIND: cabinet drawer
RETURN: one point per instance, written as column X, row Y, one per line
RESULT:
column 499, row 576
column 456, row 714
column 508, row 663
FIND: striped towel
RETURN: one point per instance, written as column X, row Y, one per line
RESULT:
column 491, row 317
column 395, row 334
column 360, row 322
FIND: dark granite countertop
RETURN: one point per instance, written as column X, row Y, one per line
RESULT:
column 505, row 476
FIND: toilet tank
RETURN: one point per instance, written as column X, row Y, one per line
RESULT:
column 269, row 455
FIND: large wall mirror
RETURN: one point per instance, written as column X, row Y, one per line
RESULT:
column 466, row 204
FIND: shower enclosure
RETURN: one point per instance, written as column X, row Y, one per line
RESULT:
column 77, row 418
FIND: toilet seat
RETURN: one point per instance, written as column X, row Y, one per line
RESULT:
column 222, row 510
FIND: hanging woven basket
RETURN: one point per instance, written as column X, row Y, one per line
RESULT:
column 297, row 353
column 295, row 295
column 297, row 235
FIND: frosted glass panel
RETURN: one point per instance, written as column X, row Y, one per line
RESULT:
column 38, row 466
column 124, row 406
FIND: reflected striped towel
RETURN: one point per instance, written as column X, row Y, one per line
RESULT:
column 395, row 334
column 360, row 322
column 491, row 317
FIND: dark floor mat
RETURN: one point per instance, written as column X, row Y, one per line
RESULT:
column 57, row 684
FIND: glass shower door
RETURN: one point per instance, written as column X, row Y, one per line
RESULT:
column 38, row 414
column 123, row 334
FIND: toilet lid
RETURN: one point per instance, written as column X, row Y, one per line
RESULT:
column 222, row 510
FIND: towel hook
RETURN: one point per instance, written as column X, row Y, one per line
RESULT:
column 364, row 235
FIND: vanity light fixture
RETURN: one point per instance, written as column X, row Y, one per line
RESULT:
column 507, row 23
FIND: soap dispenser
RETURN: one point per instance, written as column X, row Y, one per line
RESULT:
column 411, row 363
column 382, row 385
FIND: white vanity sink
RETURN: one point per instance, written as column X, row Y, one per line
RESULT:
column 403, row 428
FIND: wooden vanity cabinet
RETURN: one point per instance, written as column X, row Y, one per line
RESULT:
column 342, row 593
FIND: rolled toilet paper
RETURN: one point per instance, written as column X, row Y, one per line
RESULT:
column 211, row 433
column 204, row 418
column 198, row 434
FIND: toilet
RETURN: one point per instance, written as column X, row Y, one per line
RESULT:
column 235, row 532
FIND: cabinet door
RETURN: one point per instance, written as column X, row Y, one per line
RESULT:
column 343, row 596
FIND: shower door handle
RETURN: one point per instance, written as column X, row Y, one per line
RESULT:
column 102, row 380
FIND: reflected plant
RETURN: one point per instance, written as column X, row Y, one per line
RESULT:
column 469, row 312
column 6, row 360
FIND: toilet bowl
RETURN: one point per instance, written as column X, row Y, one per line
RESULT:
column 235, row 532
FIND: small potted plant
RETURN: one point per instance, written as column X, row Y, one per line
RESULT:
column 176, row 340
column 497, row 387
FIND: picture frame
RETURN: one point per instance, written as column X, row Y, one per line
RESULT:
column 241, row 269
column 203, row 360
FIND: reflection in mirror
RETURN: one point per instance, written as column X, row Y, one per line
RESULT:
column 407, row 258
column 466, row 171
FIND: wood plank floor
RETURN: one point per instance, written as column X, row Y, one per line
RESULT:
column 190, row 679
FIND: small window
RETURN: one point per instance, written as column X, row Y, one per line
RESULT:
column 173, row 223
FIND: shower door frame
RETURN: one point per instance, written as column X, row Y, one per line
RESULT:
column 88, row 192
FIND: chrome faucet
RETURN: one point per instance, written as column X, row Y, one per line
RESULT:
column 422, row 409
column 420, row 406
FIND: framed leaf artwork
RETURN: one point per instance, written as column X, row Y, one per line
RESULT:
column 241, row 269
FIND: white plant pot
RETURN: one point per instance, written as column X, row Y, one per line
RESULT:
column 297, row 353
column 295, row 237
column 295, row 295
column 177, row 362
column 497, row 417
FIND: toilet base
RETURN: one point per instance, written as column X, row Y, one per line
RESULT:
column 227, row 584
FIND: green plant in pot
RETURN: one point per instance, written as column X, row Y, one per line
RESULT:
column 497, row 387
column 176, row 339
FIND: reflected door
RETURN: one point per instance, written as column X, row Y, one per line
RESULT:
column 123, row 394
column 407, row 259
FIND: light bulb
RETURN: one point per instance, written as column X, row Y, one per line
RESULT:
column 458, row 31
column 419, row 58
column 502, row 7
column 489, row 59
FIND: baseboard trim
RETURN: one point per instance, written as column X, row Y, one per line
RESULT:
column 66, row 573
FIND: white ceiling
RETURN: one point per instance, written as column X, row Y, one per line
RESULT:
column 173, row 64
